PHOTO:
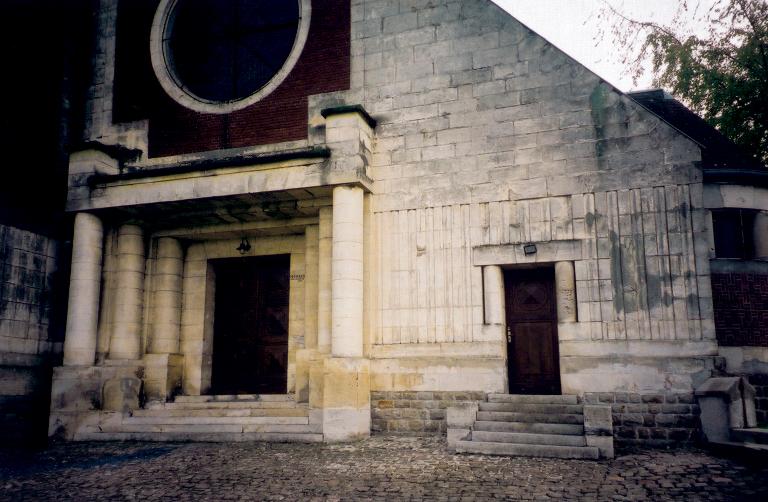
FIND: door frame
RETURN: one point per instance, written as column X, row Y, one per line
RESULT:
column 218, row 266
column 507, row 271
column 199, row 292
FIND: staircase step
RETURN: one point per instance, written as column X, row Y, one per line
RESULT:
column 521, row 398
column 554, row 418
column 234, row 398
column 573, row 409
column 208, row 420
column 211, row 437
column 230, row 405
column 527, row 450
column 527, row 438
column 222, row 412
column 754, row 435
column 532, row 428
column 205, row 428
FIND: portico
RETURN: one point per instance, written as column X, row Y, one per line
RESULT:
column 143, row 288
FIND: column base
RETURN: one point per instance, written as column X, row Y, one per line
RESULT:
column 78, row 392
column 316, row 380
column 162, row 376
column 305, row 359
column 346, row 399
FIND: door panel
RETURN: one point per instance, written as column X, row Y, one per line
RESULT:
column 532, row 350
column 250, row 341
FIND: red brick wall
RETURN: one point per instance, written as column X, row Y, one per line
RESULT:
column 741, row 309
column 324, row 66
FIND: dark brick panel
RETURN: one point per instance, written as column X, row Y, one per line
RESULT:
column 741, row 309
column 324, row 66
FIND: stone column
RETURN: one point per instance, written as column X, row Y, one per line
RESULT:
column 565, row 291
column 126, row 333
column 347, row 272
column 84, row 290
column 311, row 294
column 345, row 394
column 325, row 245
column 166, row 298
column 163, row 364
column 306, row 357
column 760, row 231
column 346, row 376
column 493, row 290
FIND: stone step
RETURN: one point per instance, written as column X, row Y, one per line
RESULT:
column 573, row 409
column 229, row 404
column 208, row 420
column 545, row 418
column 755, row 435
column 521, row 398
column 234, row 398
column 205, row 428
column 532, row 428
column 527, row 450
column 222, row 412
column 527, row 438
column 211, row 437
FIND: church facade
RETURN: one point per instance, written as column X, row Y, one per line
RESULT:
column 372, row 208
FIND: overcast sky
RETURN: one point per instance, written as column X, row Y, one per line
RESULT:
column 572, row 26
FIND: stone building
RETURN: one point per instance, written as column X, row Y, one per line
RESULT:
column 312, row 221
column 44, row 84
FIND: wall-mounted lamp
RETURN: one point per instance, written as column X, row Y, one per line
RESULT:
column 529, row 249
column 244, row 246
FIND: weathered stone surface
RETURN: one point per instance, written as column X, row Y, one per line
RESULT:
column 121, row 394
column 395, row 411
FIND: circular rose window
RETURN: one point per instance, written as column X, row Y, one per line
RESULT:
column 218, row 56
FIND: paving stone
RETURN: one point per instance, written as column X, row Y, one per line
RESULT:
column 384, row 467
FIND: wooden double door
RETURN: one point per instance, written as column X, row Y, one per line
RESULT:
column 533, row 362
column 250, row 339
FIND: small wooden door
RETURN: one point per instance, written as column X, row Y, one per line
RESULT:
column 250, row 334
column 532, row 346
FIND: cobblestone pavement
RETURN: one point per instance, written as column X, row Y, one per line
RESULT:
column 382, row 468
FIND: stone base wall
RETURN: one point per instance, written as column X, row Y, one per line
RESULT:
column 24, row 404
column 33, row 297
column 760, row 383
column 414, row 413
column 651, row 419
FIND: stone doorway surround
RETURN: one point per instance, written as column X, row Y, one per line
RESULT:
column 532, row 343
column 496, row 259
column 197, row 317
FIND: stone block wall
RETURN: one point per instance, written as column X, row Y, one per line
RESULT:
column 28, row 272
column 648, row 419
column 31, row 334
column 415, row 413
column 651, row 419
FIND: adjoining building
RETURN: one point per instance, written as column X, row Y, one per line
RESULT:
column 44, row 85
column 354, row 213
